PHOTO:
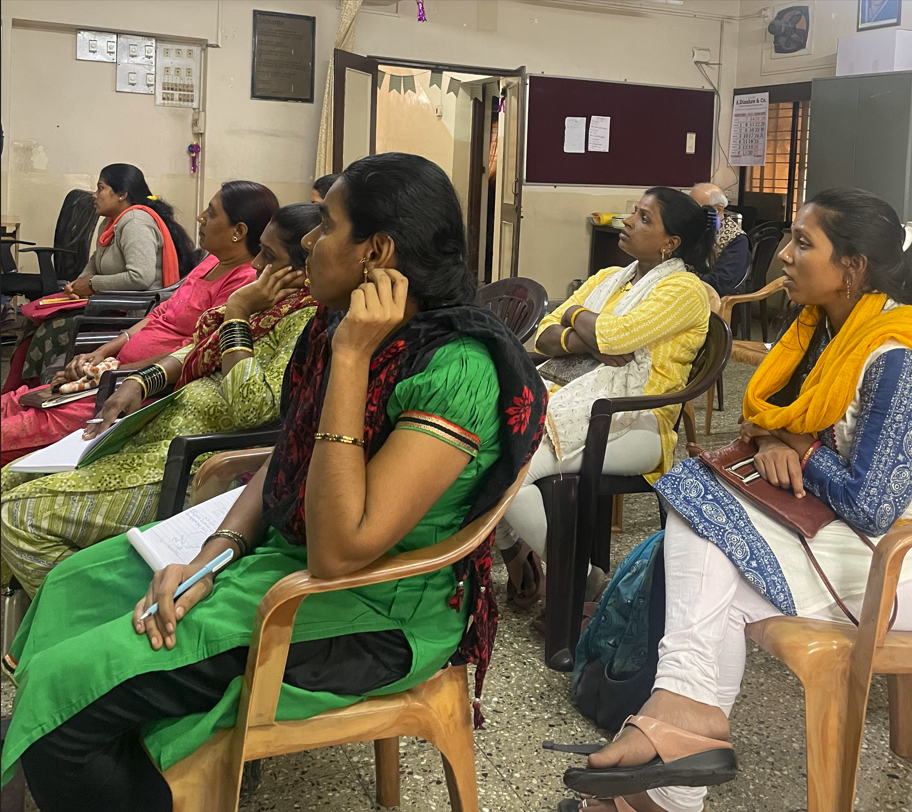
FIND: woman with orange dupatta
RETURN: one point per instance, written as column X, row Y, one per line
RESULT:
column 829, row 412
column 46, row 519
column 141, row 247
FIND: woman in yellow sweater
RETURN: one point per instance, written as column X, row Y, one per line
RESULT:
column 644, row 323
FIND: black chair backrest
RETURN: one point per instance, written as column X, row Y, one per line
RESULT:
column 75, row 229
column 519, row 302
column 764, row 240
column 712, row 357
column 748, row 215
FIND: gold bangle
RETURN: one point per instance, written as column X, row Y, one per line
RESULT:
column 563, row 343
column 575, row 314
column 237, row 349
column 234, row 321
column 339, row 438
column 141, row 382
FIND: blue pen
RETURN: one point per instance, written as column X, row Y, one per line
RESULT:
column 213, row 566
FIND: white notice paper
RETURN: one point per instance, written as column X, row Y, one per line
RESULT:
column 748, row 136
column 575, row 134
column 599, row 129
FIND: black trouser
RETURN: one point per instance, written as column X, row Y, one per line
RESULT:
column 95, row 760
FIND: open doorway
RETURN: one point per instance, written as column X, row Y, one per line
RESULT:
column 464, row 119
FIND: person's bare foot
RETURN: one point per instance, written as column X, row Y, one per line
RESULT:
column 632, row 748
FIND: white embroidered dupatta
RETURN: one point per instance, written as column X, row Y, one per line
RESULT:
column 569, row 408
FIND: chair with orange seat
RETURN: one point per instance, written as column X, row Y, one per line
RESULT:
column 834, row 662
column 437, row 710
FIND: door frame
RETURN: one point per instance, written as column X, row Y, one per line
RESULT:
column 342, row 60
column 522, row 75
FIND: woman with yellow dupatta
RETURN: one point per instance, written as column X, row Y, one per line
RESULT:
column 829, row 411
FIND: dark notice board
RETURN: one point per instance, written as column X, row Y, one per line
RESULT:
column 283, row 57
column 648, row 138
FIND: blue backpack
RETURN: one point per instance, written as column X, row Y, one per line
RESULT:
column 618, row 652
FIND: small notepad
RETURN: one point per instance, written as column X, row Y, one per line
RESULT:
column 73, row 452
column 177, row 540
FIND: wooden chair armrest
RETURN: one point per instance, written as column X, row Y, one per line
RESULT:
column 220, row 470
column 275, row 616
column 729, row 302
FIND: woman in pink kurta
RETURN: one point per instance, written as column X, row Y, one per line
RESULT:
column 230, row 229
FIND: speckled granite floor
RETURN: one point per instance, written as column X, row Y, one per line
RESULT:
column 525, row 704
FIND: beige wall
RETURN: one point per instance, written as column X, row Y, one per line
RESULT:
column 275, row 142
column 830, row 20
column 632, row 42
column 63, row 120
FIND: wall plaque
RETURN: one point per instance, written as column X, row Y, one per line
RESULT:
column 283, row 57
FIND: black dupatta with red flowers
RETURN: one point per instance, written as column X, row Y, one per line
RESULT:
column 523, row 403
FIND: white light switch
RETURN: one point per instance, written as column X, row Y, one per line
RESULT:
column 150, row 80
column 132, row 78
column 112, row 47
column 150, row 51
column 134, row 50
column 691, row 143
column 93, row 46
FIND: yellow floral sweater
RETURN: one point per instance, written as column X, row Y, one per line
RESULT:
column 671, row 322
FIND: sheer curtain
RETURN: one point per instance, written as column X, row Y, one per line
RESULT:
column 345, row 41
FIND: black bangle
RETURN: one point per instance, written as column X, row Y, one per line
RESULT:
column 154, row 379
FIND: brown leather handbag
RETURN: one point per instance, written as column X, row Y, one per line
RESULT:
column 734, row 465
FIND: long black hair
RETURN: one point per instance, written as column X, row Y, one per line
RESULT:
column 253, row 204
column 412, row 201
column 126, row 179
column 292, row 223
column 695, row 225
column 859, row 223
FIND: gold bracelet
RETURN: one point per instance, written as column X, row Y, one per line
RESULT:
column 237, row 349
column 564, row 346
column 339, row 438
column 575, row 314
column 234, row 321
column 141, row 382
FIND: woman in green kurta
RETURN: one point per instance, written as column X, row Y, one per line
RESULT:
column 402, row 421
column 44, row 519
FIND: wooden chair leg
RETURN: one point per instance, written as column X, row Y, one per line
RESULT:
column 208, row 779
column 709, row 411
column 386, row 755
column 458, row 755
column 825, row 713
column 690, row 422
column 899, row 687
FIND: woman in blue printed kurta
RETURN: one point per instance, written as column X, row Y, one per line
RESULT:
column 727, row 562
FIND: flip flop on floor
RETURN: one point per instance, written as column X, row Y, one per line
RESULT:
column 684, row 760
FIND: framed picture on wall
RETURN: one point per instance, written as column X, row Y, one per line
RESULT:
column 284, row 46
column 878, row 14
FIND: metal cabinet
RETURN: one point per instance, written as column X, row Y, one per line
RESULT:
column 861, row 135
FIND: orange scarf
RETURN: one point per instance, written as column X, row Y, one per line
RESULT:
column 830, row 388
column 170, row 266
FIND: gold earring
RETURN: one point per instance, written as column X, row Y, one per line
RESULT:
column 849, row 289
column 364, row 267
column 663, row 255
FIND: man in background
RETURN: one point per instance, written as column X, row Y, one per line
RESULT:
column 731, row 252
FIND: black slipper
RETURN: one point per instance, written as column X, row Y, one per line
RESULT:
column 568, row 805
column 684, row 760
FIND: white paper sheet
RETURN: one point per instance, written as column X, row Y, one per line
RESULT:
column 599, row 132
column 748, row 132
column 177, row 540
column 575, row 134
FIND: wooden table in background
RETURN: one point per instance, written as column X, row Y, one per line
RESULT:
column 9, row 225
